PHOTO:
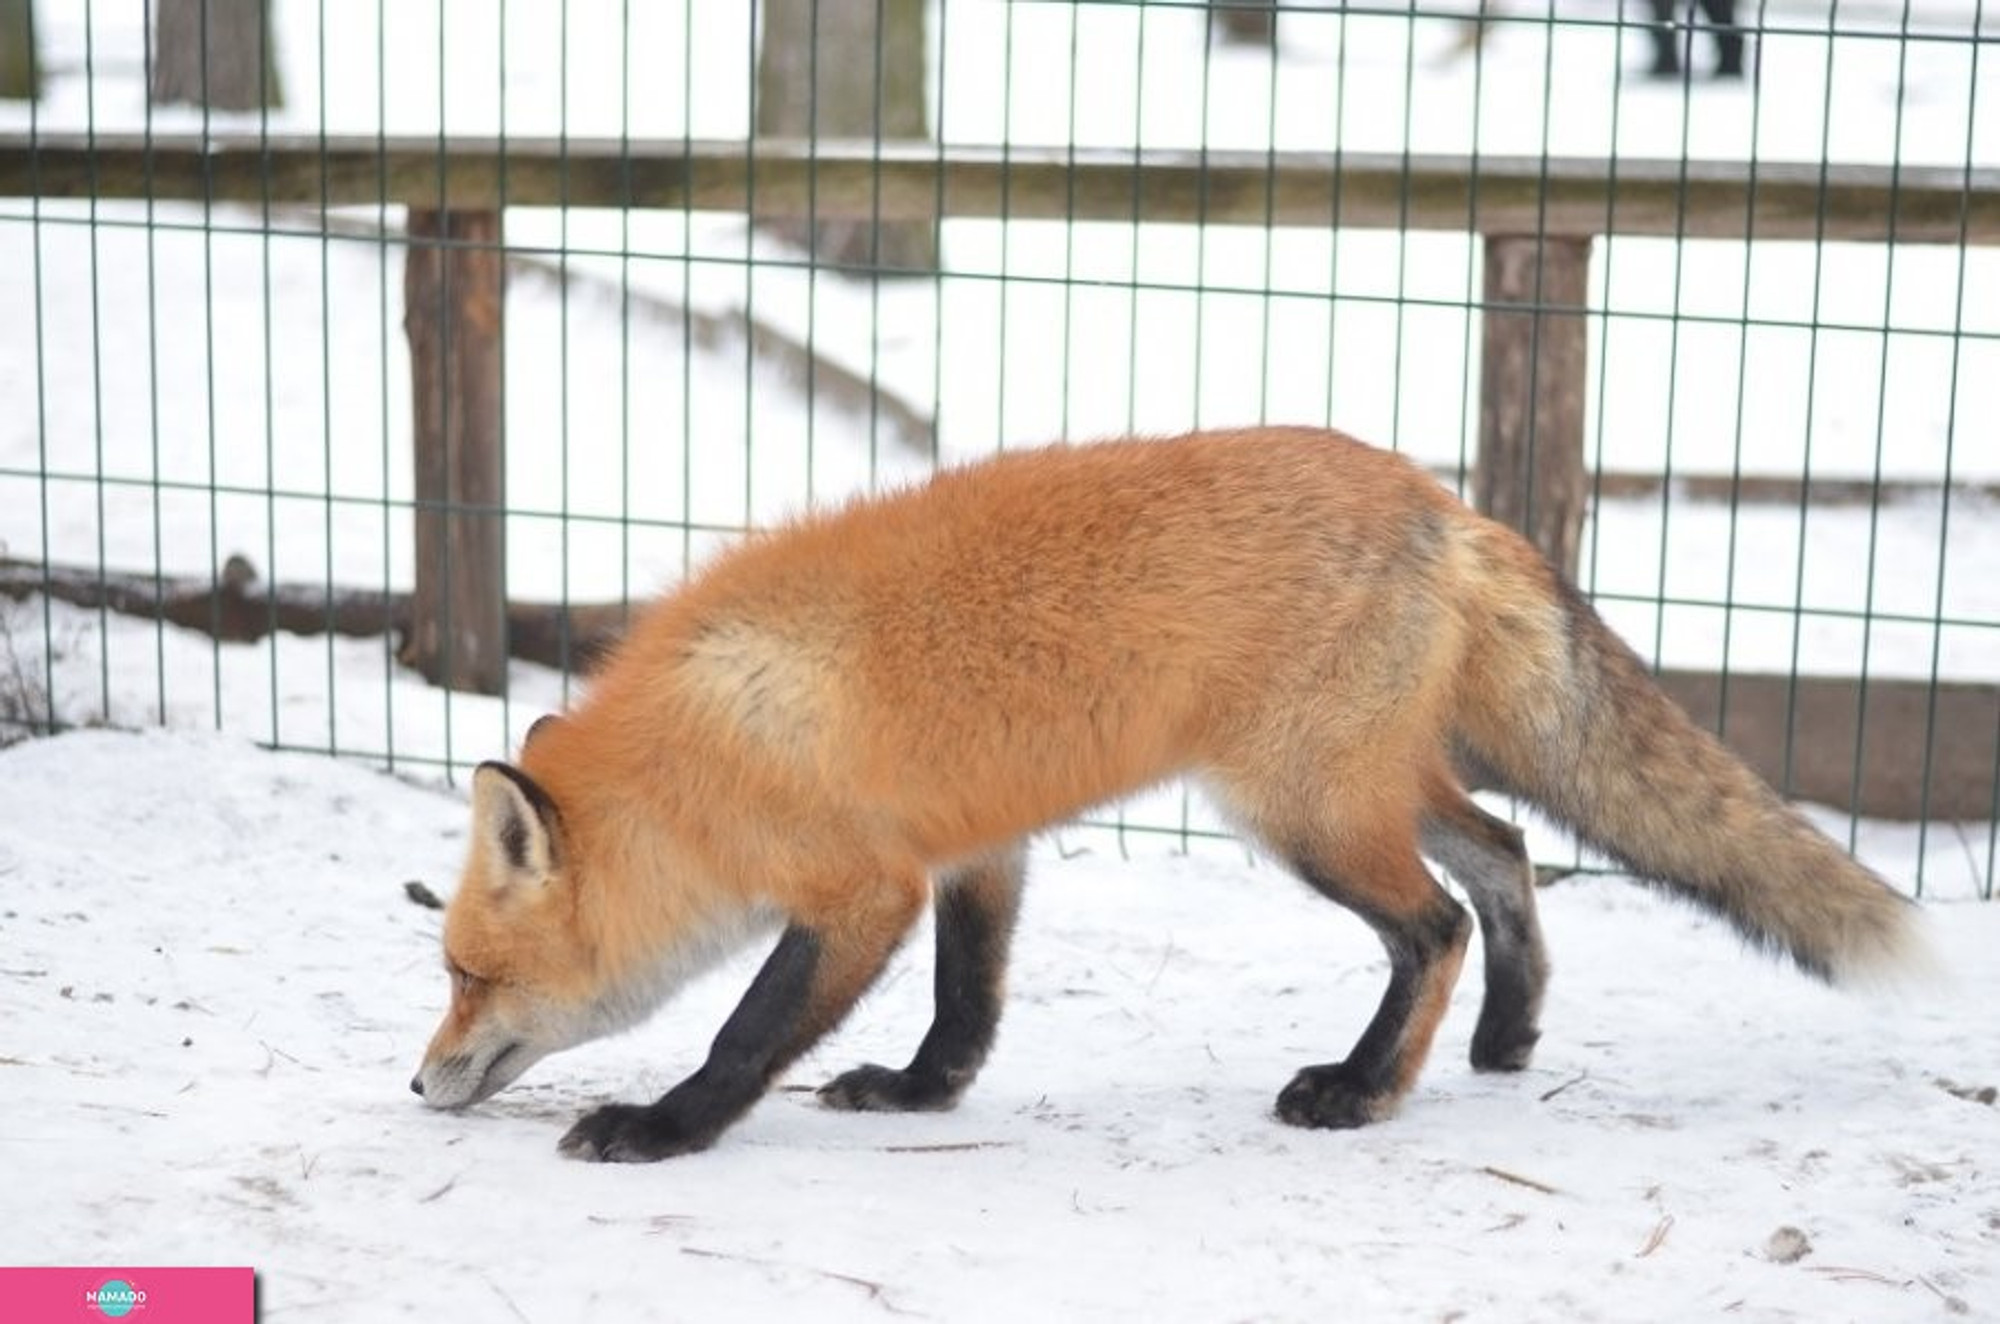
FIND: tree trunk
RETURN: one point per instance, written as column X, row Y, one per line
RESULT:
column 848, row 69
column 1532, row 367
column 453, row 286
column 20, row 76
column 217, row 53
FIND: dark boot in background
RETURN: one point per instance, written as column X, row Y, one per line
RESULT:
column 1666, row 41
column 1721, row 14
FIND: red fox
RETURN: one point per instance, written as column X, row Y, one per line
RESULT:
column 866, row 712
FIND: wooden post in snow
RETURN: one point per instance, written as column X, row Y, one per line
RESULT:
column 453, row 289
column 216, row 53
column 1532, row 378
column 20, row 71
column 848, row 71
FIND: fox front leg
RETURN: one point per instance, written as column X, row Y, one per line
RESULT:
column 748, row 1052
column 809, row 983
column 975, row 911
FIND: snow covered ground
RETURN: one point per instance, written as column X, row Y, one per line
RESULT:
column 214, row 991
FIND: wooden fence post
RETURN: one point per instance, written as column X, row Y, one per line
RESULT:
column 453, row 288
column 20, row 70
column 218, row 53
column 855, row 71
column 1531, row 391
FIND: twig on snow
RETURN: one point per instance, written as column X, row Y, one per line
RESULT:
column 501, row 1292
column 1575, row 1080
column 271, row 1056
column 1844, row 1273
column 1953, row 1305
column 876, row 1292
column 1657, row 1238
column 1517, row 1179
column 654, row 1224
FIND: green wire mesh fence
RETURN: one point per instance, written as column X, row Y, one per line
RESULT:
column 366, row 364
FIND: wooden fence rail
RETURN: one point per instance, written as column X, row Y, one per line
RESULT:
column 1537, row 218
column 1491, row 195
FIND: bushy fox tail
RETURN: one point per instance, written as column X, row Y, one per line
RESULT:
column 1556, row 709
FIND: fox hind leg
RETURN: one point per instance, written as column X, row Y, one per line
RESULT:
column 975, row 910
column 1425, row 934
column 1487, row 857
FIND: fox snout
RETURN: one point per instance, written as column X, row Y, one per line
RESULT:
column 463, row 1079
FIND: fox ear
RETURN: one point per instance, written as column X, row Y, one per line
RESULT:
column 517, row 821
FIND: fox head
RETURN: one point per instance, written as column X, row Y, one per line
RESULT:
column 517, row 959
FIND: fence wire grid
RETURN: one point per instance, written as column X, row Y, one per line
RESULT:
column 676, row 271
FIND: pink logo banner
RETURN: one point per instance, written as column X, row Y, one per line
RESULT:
column 144, row 1296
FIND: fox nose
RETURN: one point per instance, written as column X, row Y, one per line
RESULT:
column 417, row 1085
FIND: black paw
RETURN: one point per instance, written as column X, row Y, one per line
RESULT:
column 885, row 1090
column 1503, row 1044
column 1331, row 1097
column 629, row 1133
